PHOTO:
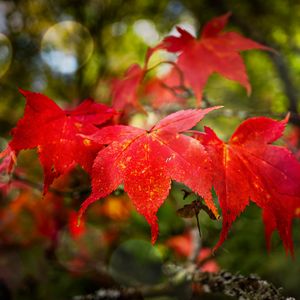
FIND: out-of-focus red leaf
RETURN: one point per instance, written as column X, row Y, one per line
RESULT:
column 125, row 90
column 215, row 51
column 165, row 90
column 205, row 259
column 29, row 218
column 181, row 244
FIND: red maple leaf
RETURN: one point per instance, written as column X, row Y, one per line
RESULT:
column 248, row 167
column 215, row 51
column 165, row 90
column 146, row 161
column 125, row 90
column 54, row 133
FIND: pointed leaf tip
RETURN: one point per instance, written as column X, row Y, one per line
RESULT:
column 213, row 27
column 154, row 231
column 287, row 118
column 25, row 93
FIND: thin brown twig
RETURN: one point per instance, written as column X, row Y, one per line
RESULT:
column 38, row 186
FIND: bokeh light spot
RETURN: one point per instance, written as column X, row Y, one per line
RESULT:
column 146, row 30
column 66, row 46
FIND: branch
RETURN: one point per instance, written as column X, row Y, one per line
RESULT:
column 74, row 193
column 235, row 285
column 290, row 90
column 281, row 66
column 187, row 93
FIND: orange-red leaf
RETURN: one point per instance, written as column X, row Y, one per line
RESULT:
column 54, row 133
column 146, row 161
column 248, row 167
column 215, row 51
column 182, row 244
column 125, row 90
column 165, row 90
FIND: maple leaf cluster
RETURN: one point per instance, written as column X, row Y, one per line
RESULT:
column 92, row 135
